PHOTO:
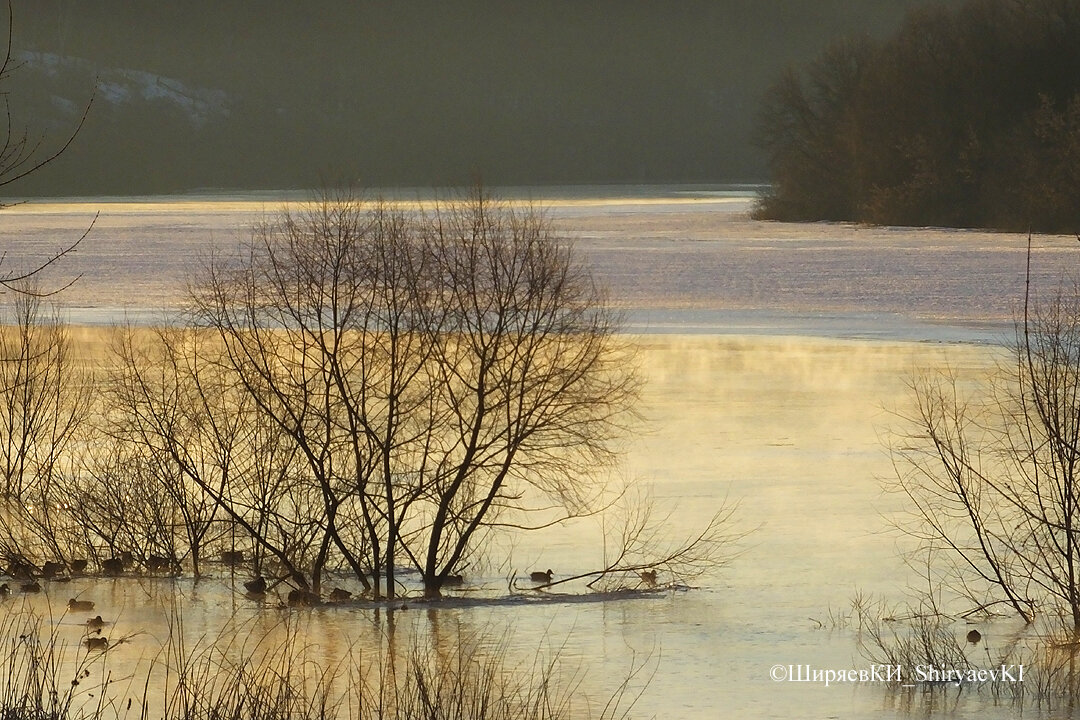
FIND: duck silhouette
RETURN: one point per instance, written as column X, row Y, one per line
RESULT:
column 80, row 605
column 541, row 577
column 51, row 569
column 157, row 563
column 97, row 643
column 256, row 586
column 232, row 557
column 112, row 566
column 22, row 570
column 302, row 598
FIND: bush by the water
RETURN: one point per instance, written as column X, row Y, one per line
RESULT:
column 968, row 117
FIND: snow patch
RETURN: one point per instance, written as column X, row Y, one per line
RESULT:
column 120, row 86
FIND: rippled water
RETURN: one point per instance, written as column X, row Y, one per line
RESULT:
column 691, row 262
column 776, row 357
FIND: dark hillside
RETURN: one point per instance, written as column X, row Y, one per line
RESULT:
column 275, row 94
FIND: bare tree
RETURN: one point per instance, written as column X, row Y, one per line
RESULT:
column 645, row 549
column 992, row 472
column 533, row 382
column 44, row 394
column 23, row 153
column 45, row 398
column 429, row 370
column 948, row 468
column 113, row 501
column 205, row 447
column 43, row 408
column 296, row 317
column 158, row 408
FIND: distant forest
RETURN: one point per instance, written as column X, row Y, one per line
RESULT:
column 966, row 117
column 278, row 94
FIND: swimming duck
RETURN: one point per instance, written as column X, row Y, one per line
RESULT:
column 112, row 566
column 232, row 557
column 256, row 586
column 52, row 569
column 302, row 598
column 97, row 643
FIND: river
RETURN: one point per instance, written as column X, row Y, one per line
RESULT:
column 776, row 359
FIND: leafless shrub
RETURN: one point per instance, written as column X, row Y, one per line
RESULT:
column 435, row 374
column 991, row 473
column 641, row 552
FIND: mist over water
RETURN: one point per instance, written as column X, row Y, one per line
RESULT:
column 776, row 360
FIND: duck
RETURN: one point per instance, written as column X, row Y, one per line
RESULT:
column 97, row 643
column 95, row 623
column 541, row 577
column 5, row 590
column 339, row 595
column 112, row 566
column 22, row 570
column 75, row 605
column 52, row 569
column 648, row 577
column 256, row 586
column 302, row 598
column 232, row 557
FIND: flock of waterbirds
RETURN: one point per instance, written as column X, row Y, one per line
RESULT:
column 26, row 578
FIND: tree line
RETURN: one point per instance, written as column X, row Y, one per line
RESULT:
column 967, row 117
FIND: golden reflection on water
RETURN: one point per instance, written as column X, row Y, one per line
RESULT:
column 790, row 427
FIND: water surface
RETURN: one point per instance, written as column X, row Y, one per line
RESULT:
column 776, row 359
